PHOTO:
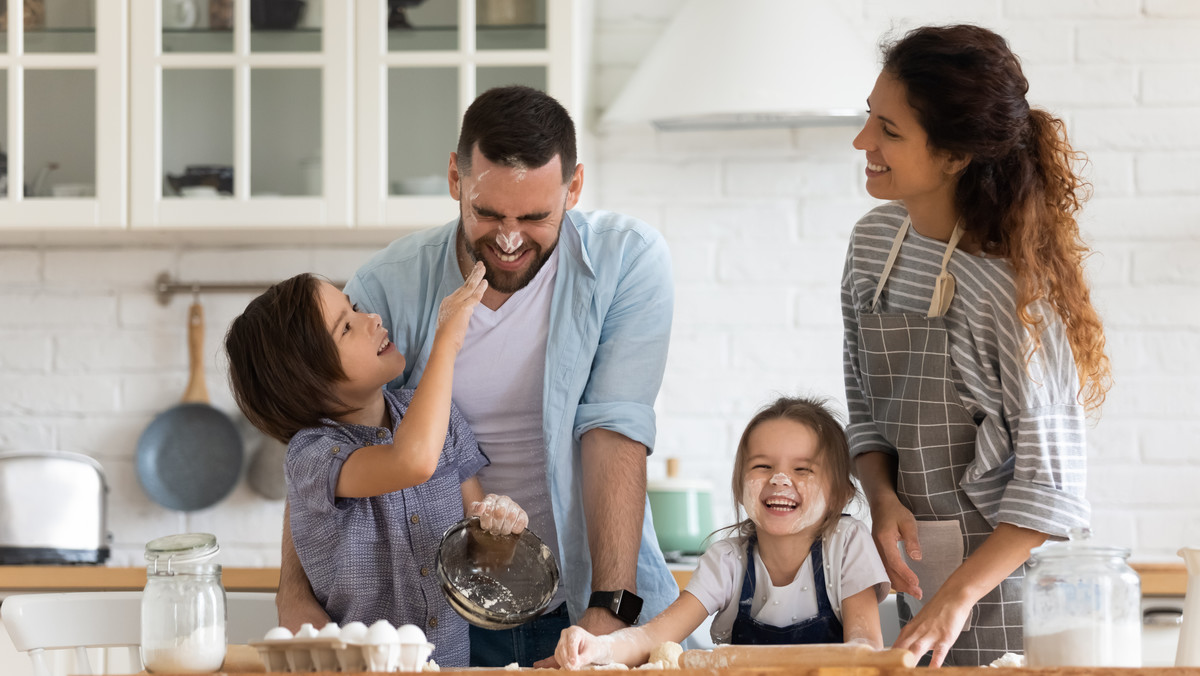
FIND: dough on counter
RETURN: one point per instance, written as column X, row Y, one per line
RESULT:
column 1009, row 660
column 611, row 666
column 668, row 653
column 431, row 666
column 512, row 666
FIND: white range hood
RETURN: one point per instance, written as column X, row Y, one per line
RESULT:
column 727, row 64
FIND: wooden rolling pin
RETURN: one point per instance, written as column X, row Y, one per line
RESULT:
column 816, row 655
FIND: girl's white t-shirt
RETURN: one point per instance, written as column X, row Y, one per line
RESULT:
column 852, row 565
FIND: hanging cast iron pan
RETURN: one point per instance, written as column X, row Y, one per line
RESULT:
column 190, row 456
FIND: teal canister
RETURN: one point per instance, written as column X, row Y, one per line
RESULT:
column 682, row 512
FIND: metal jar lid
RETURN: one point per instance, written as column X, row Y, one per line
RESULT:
column 183, row 548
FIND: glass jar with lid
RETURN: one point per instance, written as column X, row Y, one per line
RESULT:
column 1082, row 606
column 183, row 605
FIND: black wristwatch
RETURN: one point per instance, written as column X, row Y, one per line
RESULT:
column 623, row 603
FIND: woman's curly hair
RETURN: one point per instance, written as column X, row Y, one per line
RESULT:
column 1019, row 195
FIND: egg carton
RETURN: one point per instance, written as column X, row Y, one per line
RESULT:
column 304, row 655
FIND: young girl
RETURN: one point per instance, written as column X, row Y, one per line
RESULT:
column 971, row 344
column 374, row 476
column 814, row 575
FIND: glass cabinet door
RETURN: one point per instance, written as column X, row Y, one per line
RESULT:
column 63, row 158
column 420, row 64
column 244, row 113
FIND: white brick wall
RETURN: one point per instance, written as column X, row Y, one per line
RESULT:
column 1125, row 74
column 757, row 223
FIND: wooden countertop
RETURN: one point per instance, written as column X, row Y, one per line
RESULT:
column 89, row 578
column 1158, row 579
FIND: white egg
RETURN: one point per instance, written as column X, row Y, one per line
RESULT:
column 330, row 630
column 381, row 633
column 306, row 631
column 354, row 632
column 410, row 634
column 278, row 633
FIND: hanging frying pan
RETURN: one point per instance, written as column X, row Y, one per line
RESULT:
column 190, row 456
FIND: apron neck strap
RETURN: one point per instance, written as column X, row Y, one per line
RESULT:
column 898, row 241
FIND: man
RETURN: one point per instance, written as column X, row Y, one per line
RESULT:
column 559, row 370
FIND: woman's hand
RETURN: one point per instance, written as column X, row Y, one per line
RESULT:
column 936, row 626
column 454, row 314
column 578, row 648
column 499, row 515
column 892, row 522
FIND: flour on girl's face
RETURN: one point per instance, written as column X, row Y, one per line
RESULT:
column 807, row 494
column 785, row 487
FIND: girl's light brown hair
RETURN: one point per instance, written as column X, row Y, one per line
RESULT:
column 1019, row 195
column 833, row 458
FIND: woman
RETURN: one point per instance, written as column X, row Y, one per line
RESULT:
column 972, row 349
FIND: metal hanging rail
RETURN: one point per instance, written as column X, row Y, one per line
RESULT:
column 165, row 287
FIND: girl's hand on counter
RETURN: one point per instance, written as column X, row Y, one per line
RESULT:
column 578, row 648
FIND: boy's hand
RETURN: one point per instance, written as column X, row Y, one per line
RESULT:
column 455, row 311
column 577, row 648
column 499, row 515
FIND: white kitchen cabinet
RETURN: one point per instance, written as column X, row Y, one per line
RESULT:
column 64, row 128
column 341, row 121
column 273, row 105
column 414, row 85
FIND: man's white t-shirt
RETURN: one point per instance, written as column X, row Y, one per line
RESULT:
column 498, row 386
column 853, row 564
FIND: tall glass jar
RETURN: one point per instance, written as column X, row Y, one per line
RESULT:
column 183, row 605
column 1082, row 606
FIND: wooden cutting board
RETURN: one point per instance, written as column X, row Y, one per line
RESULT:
column 815, row 655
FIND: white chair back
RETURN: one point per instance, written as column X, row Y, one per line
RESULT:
column 77, row 621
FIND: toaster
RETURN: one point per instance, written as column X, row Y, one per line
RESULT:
column 53, row 508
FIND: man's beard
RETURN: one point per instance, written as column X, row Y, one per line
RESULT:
column 503, row 280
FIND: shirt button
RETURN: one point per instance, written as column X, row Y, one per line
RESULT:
column 415, row 519
column 335, row 449
column 424, row 571
column 379, row 434
column 433, row 622
column 804, row 589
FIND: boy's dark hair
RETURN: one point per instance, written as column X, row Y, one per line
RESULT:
column 517, row 126
column 283, row 362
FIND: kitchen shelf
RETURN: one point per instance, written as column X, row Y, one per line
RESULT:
column 207, row 41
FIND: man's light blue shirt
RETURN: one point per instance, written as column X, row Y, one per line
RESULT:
column 610, row 324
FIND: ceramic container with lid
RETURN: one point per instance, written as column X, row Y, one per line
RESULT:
column 1082, row 606
column 681, row 510
column 183, row 605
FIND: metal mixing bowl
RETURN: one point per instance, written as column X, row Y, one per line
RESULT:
column 495, row 581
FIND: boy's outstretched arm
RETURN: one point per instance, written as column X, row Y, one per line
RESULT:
column 417, row 444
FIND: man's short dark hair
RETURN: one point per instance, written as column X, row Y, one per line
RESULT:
column 517, row 126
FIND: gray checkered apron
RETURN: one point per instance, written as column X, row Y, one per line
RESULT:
column 908, row 381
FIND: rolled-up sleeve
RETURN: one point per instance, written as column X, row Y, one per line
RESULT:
column 1039, row 447
column 631, row 356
